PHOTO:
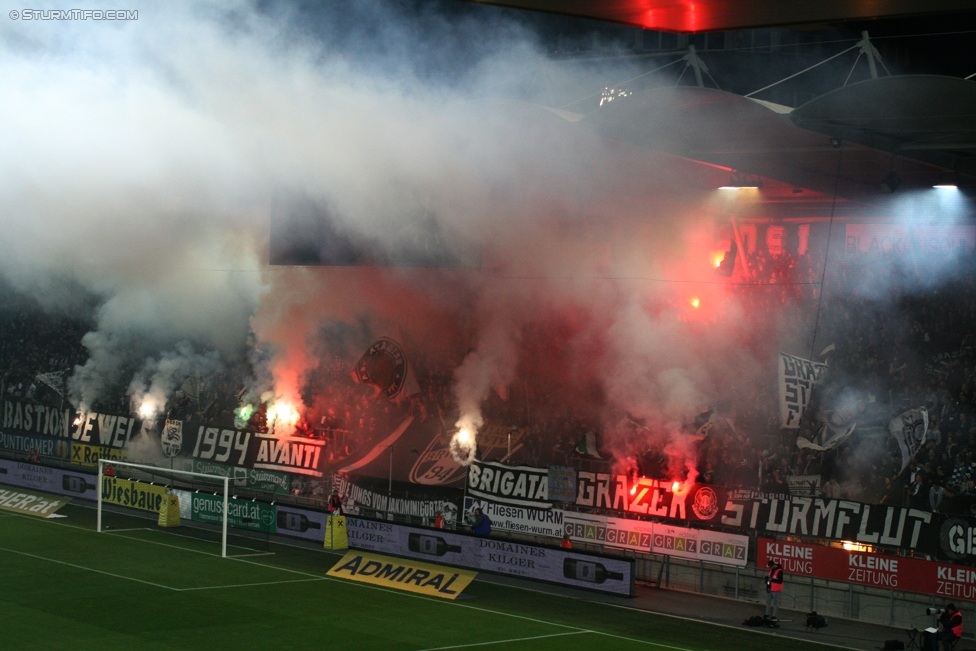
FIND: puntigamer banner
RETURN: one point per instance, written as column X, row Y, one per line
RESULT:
column 611, row 575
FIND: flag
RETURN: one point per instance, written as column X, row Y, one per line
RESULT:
column 587, row 446
column 191, row 388
column 55, row 380
column 910, row 429
column 826, row 438
column 386, row 368
column 704, row 423
column 797, row 377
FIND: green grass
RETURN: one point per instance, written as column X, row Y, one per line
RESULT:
column 63, row 586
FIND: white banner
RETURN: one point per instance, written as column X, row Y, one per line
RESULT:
column 804, row 485
column 700, row 545
column 514, row 485
column 910, row 430
column 612, row 532
column 521, row 519
column 796, row 379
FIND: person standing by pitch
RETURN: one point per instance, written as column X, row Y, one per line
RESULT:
column 774, row 587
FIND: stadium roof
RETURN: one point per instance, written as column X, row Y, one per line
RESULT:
column 711, row 15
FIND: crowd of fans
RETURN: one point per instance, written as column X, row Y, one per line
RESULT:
column 891, row 351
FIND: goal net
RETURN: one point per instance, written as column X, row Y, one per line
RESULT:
column 190, row 505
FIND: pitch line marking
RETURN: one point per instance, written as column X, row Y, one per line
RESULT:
column 516, row 639
column 247, row 585
column 90, row 569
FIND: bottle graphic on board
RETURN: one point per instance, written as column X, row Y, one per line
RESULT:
column 75, row 484
column 589, row 571
column 431, row 545
column 296, row 522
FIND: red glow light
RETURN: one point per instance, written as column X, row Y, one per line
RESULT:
column 695, row 302
column 675, row 486
column 633, row 491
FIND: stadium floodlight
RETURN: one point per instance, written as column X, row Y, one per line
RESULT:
column 742, row 182
column 128, row 507
column 947, row 181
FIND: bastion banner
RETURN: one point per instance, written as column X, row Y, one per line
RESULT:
column 876, row 570
column 610, row 575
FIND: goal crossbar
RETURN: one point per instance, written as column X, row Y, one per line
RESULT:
column 154, row 469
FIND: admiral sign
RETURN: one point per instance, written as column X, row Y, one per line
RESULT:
column 513, row 485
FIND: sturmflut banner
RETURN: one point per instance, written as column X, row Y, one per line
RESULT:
column 611, row 575
column 797, row 376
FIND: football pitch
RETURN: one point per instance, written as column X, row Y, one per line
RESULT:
column 64, row 586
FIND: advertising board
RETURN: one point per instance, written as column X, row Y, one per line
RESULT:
column 610, row 575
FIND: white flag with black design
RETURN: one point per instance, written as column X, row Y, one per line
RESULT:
column 910, row 429
column 796, row 379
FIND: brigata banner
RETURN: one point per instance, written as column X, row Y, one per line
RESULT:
column 521, row 519
column 513, row 485
column 611, row 575
column 412, row 576
column 241, row 514
column 49, row 480
column 864, row 568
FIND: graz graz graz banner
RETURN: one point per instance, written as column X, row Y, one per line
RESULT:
column 877, row 570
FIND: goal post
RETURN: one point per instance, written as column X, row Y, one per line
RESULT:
column 135, row 496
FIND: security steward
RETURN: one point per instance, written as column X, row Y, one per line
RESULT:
column 334, row 507
column 774, row 588
column 950, row 629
